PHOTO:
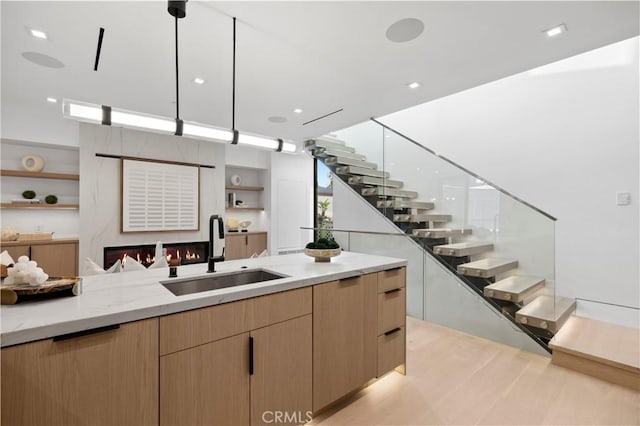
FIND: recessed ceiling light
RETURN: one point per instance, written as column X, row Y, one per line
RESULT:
column 52, row 100
column 414, row 85
column 556, row 31
column 297, row 111
column 38, row 34
column 198, row 80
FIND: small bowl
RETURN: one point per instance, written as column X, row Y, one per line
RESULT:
column 323, row 255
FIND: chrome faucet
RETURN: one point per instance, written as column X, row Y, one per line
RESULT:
column 213, row 259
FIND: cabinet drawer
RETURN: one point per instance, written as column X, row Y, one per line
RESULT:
column 199, row 326
column 391, row 350
column 391, row 279
column 391, row 310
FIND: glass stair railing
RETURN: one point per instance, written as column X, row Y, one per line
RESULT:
column 494, row 243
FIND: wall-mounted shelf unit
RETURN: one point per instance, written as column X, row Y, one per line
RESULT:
column 39, row 206
column 39, row 175
column 246, row 208
column 244, row 188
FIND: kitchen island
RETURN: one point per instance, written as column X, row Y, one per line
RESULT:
column 129, row 351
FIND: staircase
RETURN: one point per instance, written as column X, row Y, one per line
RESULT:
column 519, row 297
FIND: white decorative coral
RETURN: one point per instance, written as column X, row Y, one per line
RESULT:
column 26, row 272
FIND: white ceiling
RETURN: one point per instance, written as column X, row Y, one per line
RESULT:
column 318, row 56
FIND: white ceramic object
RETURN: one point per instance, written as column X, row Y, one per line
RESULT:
column 9, row 233
column 235, row 180
column 244, row 224
column 33, row 163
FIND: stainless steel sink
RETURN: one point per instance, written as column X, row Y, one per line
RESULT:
column 219, row 280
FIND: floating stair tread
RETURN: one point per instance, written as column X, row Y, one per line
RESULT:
column 376, row 181
column 417, row 218
column 355, row 170
column 349, row 162
column 463, row 249
column 547, row 312
column 382, row 191
column 440, row 232
column 332, row 152
column 398, row 204
column 320, row 143
column 610, row 344
column 487, row 267
column 330, row 139
column 514, row 288
column 543, row 307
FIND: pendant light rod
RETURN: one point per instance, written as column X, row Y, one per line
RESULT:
column 177, row 9
column 177, row 75
column 233, row 91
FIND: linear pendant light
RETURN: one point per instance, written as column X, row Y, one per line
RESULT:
column 106, row 115
column 102, row 114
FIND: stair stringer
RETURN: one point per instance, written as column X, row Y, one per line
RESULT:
column 446, row 299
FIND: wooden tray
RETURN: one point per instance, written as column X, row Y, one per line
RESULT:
column 38, row 236
column 10, row 294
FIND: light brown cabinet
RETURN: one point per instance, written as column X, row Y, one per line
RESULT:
column 344, row 333
column 264, row 360
column 392, row 302
column 107, row 377
column 242, row 245
column 238, row 363
column 281, row 377
column 206, row 385
column 58, row 258
column 358, row 333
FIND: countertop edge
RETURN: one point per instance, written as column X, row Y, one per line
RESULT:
column 12, row 338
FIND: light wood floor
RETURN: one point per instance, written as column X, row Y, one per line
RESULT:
column 457, row 379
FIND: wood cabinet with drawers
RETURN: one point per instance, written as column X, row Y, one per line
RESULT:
column 269, row 359
column 58, row 258
column 358, row 333
column 241, row 245
column 392, row 312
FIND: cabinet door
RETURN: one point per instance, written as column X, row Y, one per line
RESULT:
column 256, row 243
column 281, row 380
column 206, row 385
column 57, row 260
column 235, row 247
column 107, row 378
column 16, row 251
column 344, row 337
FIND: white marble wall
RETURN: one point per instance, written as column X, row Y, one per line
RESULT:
column 100, row 197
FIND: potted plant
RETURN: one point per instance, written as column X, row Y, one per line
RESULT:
column 323, row 249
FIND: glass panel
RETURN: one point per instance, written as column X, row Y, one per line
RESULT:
column 451, row 223
column 401, row 247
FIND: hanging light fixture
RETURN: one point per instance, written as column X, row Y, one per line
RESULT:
column 177, row 9
column 106, row 115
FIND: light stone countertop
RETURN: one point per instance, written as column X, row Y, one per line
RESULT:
column 129, row 296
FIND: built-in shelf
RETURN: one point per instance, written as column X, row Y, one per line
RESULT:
column 244, row 188
column 39, row 206
column 246, row 208
column 39, row 175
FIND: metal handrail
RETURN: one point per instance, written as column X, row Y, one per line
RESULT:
column 453, row 163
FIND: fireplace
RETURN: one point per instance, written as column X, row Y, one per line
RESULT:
column 188, row 253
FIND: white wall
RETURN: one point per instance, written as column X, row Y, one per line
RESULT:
column 291, row 201
column 41, row 125
column 565, row 138
column 100, row 185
